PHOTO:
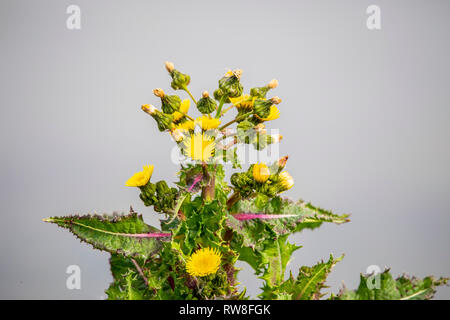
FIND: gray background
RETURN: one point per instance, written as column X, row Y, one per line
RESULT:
column 364, row 116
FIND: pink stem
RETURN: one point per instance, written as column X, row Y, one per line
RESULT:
column 250, row 216
column 145, row 235
column 196, row 180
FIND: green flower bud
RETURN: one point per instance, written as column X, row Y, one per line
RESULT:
column 169, row 104
column 162, row 187
column 164, row 121
column 147, row 194
column 241, row 180
column 262, row 107
column 230, row 84
column 206, row 104
column 218, row 94
column 179, row 80
column 259, row 92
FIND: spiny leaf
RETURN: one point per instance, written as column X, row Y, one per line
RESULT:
column 308, row 285
column 127, row 283
column 276, row 256
column 293, row 216
column 383, row 287
column 256, row 222
column 123, row 234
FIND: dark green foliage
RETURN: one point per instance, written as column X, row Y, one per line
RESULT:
column 384, row 287
column 117, row 234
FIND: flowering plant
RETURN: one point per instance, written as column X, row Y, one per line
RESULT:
column 207, row 224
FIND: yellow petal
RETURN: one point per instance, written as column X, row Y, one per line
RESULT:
column 261, row 172
column 141, row 178
column 184, row 108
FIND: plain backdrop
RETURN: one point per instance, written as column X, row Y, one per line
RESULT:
column 365, row 119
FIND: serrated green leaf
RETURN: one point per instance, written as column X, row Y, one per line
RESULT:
column 294, row 216
column 275, row 256
column 383, row 287
column 308, row 284
column 255, row 223
column 123, row 234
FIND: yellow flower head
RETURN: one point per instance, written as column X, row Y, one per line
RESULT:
column 207, row 123
column 274, row 114
column 244, row 102
column 140, row 179
column 203, row 262
column 261, row 172
column 199, row 147
column 184, row 108
column 286, row 180
column 186, row 126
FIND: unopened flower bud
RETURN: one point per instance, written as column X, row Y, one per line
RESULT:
column 169, row 66
column 237, row 73
column 262, row 107
column 180, row 81
column 158, row 92
column 278, row 165
column 276, row 100
column 169, row 103
column 229, row 85
column 286, row 181
column 260, row 172
column 206, row 104
column 282, row 162
column 164, row 121
column 148, row 108
column 273, row 84
column 261, row 92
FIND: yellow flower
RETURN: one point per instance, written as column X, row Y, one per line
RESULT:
column 244, row 102
column 184, row 108
column 187, row 125
column 199, row 147
column 207, row 123
column 286, row 180
column 261, row 172
column 140, row 179
column 203, row 262
column 274, row 114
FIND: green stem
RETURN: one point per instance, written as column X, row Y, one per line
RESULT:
column 177, row 207
column 208, row 191
column 186, row 115
column 219, row 109
column 235, row 119
column 190, row 94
